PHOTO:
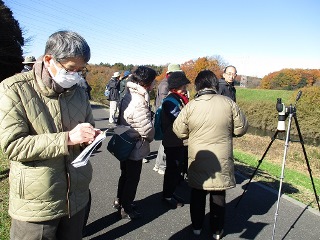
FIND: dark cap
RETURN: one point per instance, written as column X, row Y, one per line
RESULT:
column 177, row 79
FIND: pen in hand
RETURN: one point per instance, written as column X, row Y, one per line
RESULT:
column 83, row 133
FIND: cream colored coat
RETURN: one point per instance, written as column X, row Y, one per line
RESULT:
column 209, row 122
column 135, row 112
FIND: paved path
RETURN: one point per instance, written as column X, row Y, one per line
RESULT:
column 252, row 219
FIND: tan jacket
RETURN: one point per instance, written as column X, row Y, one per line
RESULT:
column 34, row 121
column 209, row 123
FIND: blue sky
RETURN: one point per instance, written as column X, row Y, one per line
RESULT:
column 257, row 36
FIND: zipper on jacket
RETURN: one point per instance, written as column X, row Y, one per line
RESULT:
column 68, row 192
column 62, row 95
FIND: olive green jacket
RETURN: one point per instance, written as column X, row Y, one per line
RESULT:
column 34, row 125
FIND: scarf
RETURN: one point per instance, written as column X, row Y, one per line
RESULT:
column 184, row 97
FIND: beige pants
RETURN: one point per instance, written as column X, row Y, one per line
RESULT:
column 113, row 111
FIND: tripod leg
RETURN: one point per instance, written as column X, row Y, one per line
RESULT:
column 259, row 163
column 282, row 173
column 307, row 161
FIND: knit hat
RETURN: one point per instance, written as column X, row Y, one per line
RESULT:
column 29, row 59
column 174, row 68
column 177, row 79
column 116, row 74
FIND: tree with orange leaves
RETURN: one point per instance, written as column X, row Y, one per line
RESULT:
column 289, row 79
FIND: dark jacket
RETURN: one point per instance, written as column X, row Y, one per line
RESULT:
column 123, row 87
column 114, row 86
column 227, row 89
column 170, row 111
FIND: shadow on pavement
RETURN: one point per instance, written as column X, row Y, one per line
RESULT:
column 149, row 214
column 238, row 220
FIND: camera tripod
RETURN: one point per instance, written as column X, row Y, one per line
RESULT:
column 291, row 113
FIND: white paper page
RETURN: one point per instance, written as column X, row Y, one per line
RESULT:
column 84, row 156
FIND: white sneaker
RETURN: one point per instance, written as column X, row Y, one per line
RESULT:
column 197, row 232
column 217, row 235
column 161, row 172
column 145, row 160
column 155, row 169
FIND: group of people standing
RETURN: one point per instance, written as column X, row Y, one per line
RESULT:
column 46, row 121
column 201, row 144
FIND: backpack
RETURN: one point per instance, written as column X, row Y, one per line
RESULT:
column 107, row 91
column 158, row 135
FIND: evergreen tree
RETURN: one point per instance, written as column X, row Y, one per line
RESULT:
column 11, row 42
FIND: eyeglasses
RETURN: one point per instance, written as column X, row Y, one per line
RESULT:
column 231, row 74
column 82, row 72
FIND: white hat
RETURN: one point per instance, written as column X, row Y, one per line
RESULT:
column 116, row 74
column 29, row 59
column 174, row 68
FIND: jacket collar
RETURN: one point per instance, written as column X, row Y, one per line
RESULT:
column 134, row 87
column 205, row 91
column 222, row 81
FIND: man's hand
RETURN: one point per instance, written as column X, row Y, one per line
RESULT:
column 83, row 133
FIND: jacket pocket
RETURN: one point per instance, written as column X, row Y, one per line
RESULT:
column 42, row 183
column 21, row 185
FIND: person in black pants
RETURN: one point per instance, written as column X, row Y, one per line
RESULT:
column 128, row 183
column 174, row 148
column 175, row 163
column 209, row 122
column 135, row 114
column 217, row 203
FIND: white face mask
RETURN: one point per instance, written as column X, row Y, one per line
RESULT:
column 63, row 78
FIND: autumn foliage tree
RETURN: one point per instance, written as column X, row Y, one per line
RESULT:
column 193, row 67
column 99, row 75
column 290, row 79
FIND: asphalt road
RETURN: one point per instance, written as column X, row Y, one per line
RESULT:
column 253, row 218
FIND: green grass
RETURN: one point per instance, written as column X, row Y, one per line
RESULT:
column 259, row 106
column 296, row 184
column 4, row 198
column 265, row 95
